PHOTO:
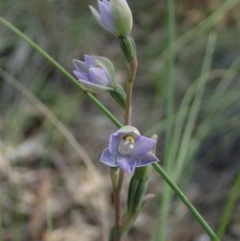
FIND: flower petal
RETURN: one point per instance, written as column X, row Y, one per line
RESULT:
column 114, row 141
column 94, row 88
column 81, row 75
column 108, row 158
column 106, row 64
column 106, row 15
column 97, row 16
column 106, row 2
column 146, row 160
column 143, row 145
column 128, row 164
column 89, row 60
column 129, row 130
column 99, row 76
column 80, row 65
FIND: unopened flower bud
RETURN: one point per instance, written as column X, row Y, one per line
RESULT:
column 115, row 16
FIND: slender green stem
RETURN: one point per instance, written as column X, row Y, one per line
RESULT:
column 170, row 111
column 228, row 211
column 61, row 69
column 170, row 73
column 117, row 207
column 115, row 178
column 128, row 110
column 127, row 121
column 185, row 200
column 131, row 76
column 117, row 203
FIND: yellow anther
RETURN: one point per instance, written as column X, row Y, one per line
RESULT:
column 129, row 139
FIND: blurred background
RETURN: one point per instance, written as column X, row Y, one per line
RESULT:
column 52, row 185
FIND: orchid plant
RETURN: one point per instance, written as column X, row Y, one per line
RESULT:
column 127, row 150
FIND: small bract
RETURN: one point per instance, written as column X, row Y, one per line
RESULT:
column 96, row 73
column 128, row 149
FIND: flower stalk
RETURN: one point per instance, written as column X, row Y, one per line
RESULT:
column 130, row 81
column 118, row 231
column 116, row 178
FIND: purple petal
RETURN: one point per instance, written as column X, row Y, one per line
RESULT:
column 143, row 145
column 81, row 75
column 106, row 2
column 106, row 15
column 128, row 164
column 89, row 60
column 80, row 65
column 114, row 141
column 146, row 160
column 99, row 76
column 104, row 7
column 108, row 158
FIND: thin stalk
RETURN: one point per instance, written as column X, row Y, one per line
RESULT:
column 128, row 111
column 117, row 210
column 229, row 209
column 115, row 176
column 185, row 200
column 170, row 73
column 131, row 77
column 170, row 111
column 127, row 121
column 117, row 204
column 21, row 35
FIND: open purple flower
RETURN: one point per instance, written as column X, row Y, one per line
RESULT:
column 95, row 73
column 128, row 150
column 115, row 16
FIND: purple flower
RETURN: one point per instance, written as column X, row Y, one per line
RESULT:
column 115, row 16
column 128, row 150
column 95, row 73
